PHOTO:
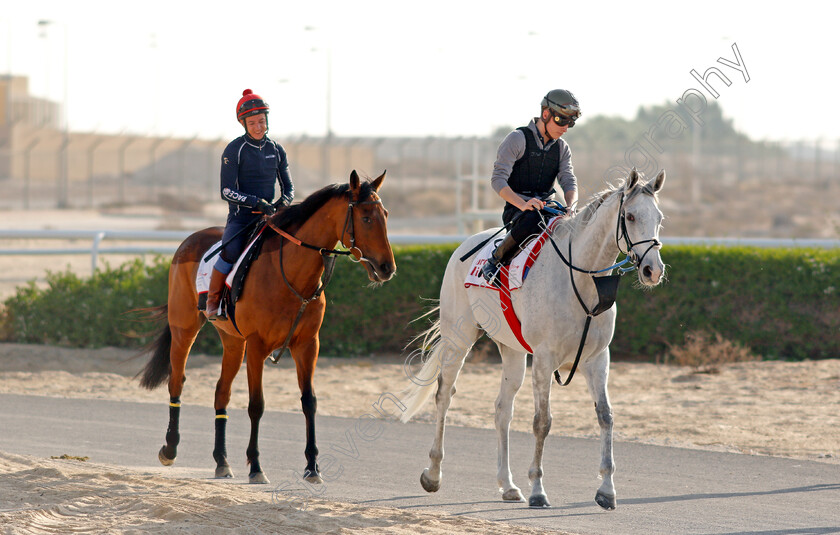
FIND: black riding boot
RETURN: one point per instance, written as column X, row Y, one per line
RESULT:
column 503, row 254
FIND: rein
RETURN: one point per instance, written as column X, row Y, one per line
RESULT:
column 327, row 257
column 607, row 286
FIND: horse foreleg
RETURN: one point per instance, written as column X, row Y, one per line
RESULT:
column 542, row 377
column 305, row 356
column 513, row 375
column 597, row 373
column 255, row 357
column 234, row 349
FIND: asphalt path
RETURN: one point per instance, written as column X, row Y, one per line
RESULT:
column 660, row 489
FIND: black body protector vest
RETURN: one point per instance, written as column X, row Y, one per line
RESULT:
column 533, row 174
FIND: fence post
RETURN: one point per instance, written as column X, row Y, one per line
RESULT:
column 94, row 251
column 26, row 178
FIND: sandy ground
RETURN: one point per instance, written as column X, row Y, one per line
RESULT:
column 757, row 408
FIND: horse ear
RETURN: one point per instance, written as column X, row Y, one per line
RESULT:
column 355, row 182
column 376, row 184
column 658, row 181
column 632, row 180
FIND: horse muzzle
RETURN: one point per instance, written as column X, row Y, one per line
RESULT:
column 381, row 272
column 651, row 269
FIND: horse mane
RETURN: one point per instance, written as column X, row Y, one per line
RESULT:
column 588, row 212
column 300, row 213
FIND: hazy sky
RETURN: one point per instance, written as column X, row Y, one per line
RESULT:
column 420, row 68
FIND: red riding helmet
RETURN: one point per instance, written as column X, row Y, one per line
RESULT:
column 250, row 104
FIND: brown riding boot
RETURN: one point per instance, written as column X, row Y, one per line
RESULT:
column 503, row 254
column 214, row 295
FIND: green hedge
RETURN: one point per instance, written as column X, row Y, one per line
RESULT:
column 782, row 303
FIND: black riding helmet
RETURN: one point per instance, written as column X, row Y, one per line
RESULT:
column 565, row 105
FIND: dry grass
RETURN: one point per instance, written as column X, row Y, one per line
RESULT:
column 706, row 353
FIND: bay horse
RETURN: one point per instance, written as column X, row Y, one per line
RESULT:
column 552, row 305
column 287, row 270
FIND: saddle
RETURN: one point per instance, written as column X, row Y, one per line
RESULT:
column 235, row 281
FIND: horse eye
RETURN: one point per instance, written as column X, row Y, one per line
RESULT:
column 366, row 220
column 631, row 217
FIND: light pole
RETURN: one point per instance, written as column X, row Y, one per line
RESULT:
column 325, row 165
column 64, row 164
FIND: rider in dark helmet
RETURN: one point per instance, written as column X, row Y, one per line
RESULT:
column 528, row 163
column 252, row 165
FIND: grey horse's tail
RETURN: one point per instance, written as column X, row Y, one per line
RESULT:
column 425, row 380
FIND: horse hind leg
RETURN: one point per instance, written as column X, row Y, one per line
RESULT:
column 456, row 339
column 513, row 374
column 180, row 340
column 597, row 373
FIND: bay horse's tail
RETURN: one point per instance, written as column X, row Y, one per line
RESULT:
column 157, row 370
column 424, row 381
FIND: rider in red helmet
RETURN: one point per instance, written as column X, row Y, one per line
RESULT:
column 252, row 166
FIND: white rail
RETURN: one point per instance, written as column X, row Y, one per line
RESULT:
column 174, row 237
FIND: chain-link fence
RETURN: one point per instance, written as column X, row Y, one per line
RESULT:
column 433, row 177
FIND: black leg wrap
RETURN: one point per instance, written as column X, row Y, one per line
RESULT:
column 173, row 437
column 309, row 403
column 220, row 448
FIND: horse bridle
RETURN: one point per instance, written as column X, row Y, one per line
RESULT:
column 620, row 234
column 621, row 226
column 349, row 225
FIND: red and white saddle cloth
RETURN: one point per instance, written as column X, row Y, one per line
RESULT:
column 511, row 277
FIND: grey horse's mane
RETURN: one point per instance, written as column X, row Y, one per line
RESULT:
column 585, row 216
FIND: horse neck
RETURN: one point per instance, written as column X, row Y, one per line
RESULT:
column 322, row 229
column 593, row 240
column 303, row 266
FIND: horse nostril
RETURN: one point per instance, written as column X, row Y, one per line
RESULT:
column 385, row 269
column 647, row 272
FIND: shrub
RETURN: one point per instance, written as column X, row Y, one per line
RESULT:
column 707, row 356
column 781, row 303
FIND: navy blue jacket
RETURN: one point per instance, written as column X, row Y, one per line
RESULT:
column 250, row 170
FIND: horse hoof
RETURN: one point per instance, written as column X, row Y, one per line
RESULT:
column 605, row 500
column 513, row 495
column 538, row 500
column 257, row 478
column 164, row 460
column 223, row 471
column 427, row 483
column 312, row 476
